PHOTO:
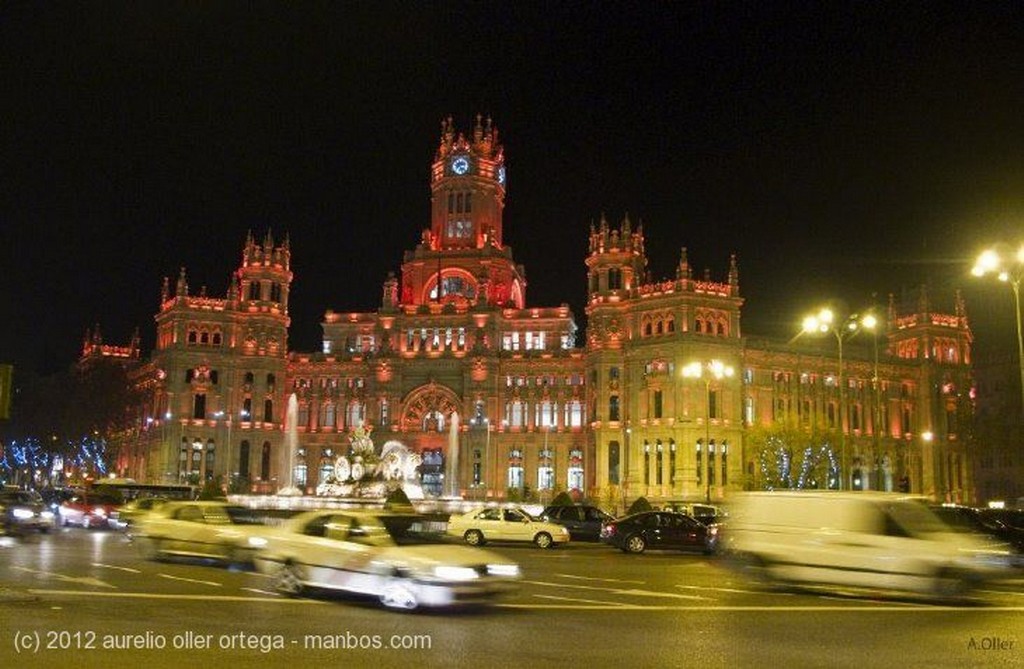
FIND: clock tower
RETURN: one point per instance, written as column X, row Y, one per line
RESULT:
column 461, row 257
column 467, row 182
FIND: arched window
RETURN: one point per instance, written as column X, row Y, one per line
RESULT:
column 265, row 462
column 355, row 414
column 515, row 468
column 659, row 463
column 575, row 472
column 613, row 462
column 700, row 462
column 671, row 462
column 211, row 460
column 243, row 460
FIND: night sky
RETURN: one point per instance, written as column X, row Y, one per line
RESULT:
column 840, row 150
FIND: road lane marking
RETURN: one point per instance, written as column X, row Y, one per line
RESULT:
column 262, row 592
column 594, row 578
column 733, row 590
column 111, row 566
column 153, row 595
column 616, row 605
column 190, row 580
column 84, row 580
column 616, row 591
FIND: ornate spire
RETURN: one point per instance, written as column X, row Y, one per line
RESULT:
column 684, row 271
column 182, row 288
column 734, row 272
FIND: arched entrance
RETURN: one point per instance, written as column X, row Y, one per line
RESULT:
column 426, row 419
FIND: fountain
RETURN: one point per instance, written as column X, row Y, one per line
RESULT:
column 451, row 463
column 291, row 442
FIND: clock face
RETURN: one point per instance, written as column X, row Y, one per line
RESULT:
column 501, row 175
column 460, row 165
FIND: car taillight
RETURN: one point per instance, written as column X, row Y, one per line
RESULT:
column 607, row 530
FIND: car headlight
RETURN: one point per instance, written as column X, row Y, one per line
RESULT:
column 99, row 511
column 449, row 573
column 503, row 569
column 23, row 514
column 257, row 542
column 47, row 515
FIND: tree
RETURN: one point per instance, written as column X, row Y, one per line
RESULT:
column 639, row 505
column 562, row 499
column 789, row 456
column 212, row 489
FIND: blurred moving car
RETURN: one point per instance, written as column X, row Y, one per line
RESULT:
column 660, row 530
column 479, row 526
column 583, row 522
column 89, row 508
column 131, row 513
column 54, row 497
column 24, row 511
column 386, row 556
column 877, row 541
column 201, row 529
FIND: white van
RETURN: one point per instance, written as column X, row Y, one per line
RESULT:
column 881, row 541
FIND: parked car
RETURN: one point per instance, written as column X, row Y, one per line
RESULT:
column 386, row 556
column 23, row 511
column 200, row 529
column 705, row 513
column 479, row 526
column 660, row 530
column 583, row 522
column 864, row 540
column 88, row 508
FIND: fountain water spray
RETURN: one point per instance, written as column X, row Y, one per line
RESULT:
column 451, row 469
column 291, row 442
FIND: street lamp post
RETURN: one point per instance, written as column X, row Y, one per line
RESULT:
column 824, row 322
column 716, row 370
column 1008, row 271
column 870, row 322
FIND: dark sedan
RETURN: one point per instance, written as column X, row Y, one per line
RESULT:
column 660, row 530
column 1004, row 528
column 583, row 522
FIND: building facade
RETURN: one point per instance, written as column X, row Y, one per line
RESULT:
column 644, row 406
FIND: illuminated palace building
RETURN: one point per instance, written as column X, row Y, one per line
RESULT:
column 664, row 399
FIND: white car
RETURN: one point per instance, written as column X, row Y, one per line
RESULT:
column 200, row 529
column 382, row 555
column 479, row 526
column 866, row 540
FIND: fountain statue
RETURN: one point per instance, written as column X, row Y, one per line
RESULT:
column 363, row 474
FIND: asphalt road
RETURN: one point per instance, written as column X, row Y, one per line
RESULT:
column 81, row 598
